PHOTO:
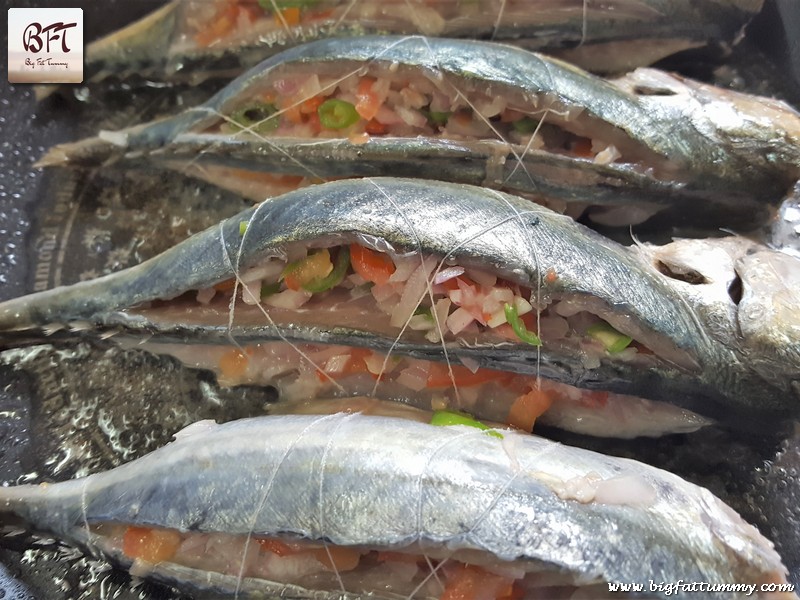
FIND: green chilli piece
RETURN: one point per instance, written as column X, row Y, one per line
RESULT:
column 270, row 288
column 437, row 118
column 425, row 311
column 337, row 114
column 512, row 316
column 257, row 117
column 242, row 227
column 270, row 5
column 333, row 278
column 525, row 125
column 612, row 340
column 445, row 418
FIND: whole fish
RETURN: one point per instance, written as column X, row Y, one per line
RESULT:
column 492, row 281
column 484, row 114
column 344, row 505
column 191, row 40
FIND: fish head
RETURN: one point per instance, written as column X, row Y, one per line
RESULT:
column 769, row 315
column 746, row 295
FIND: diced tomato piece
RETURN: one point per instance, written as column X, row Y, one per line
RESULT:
column 225, row 286
column 468, row 582
column 150, row 545
column 320, row 14
column 311, row 105
column 374, row 127
column 528, row 407
column 551, row 276
column 372, row 266
column 343, row 558
column 269, row 178
column 275, row 546
column 251, row 11
column 233, row 365
column 221, row 25
column 462, row 117
column 582, row 147
column 313, row 121
column 640, row 348
column 355, row 364
column 367, row 101
column 291, row 110
column 291, row 16
column 439, row 376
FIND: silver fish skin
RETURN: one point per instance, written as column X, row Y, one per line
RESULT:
column 711, row 362
column 620, row 35
column 519, row 498
column 709, row 155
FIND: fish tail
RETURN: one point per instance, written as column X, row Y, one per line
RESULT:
column 15, row 503
column 85, row 153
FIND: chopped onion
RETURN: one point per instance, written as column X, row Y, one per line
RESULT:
column 405, row 266
column 421, row 323
column 490, row 107
column 607, row 155
column 447, row 274
column 413, row 292
column 470, row 363
column 412, row 98
column 459, row 320
column 269, row 270
column 336, row 364
column 415, row 377
column 439, row 321
column 205, row 295
column 375, row 364
column 310, row 88
column 289, row 299
column 411, row 117
column 382, row 292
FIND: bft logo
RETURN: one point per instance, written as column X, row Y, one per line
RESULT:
column 32, row 37
column 45, row 45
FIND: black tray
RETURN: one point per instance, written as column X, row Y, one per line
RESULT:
column 71, row 410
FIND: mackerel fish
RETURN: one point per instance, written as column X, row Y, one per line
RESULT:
column 622, row 150
column 709, row 326
column 334, row 506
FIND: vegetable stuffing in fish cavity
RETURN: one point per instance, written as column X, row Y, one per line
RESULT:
column 346, row 504
column 190, row 39
column 453, row 273
column 483, row 114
